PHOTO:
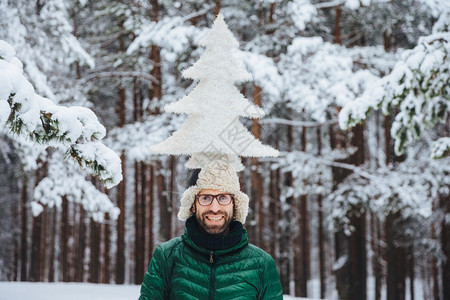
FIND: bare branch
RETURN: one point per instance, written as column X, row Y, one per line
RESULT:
column 330, row 4
column 120, row 74
column 197, row 13
column 297, row 123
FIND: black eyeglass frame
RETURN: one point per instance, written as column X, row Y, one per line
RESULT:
column 214, row 197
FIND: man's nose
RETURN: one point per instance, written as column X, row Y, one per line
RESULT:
column 215, row 206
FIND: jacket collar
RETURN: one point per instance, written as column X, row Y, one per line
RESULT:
column 203, row 242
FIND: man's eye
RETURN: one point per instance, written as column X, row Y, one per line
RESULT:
column 222, row 197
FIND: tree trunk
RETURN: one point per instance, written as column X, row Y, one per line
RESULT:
column 173, row 198
column 165, row 207
column 120, row 252
column 16, row 254
column 445, row 242
column 24, row 231
column 358, row 253
column 44, row 245
column 395, row 260
column 139, row 208
column 63, row 239
column 412, row 276
column 342, row 270
column 150, row 203
column 257, row 190
column 376, row 263
column 321, row 237
column 51, row 256
column 274, row 209
column 121, row 189
column 357, row 258
column 302, row 257
column 340, row 240
column 351, row 250
column 434, row 264
column 395, row 254
column 36, row 249
column 271, row 12
column 94, row 263
column 301, row 251
column 155, row 56
column 337, row 25
column 286, row 233
column 217, row 6
column 81, row 247
column 322, row 266
column 304, row 213
column 106, row 268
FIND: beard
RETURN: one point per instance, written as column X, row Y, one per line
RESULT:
column 211, row 228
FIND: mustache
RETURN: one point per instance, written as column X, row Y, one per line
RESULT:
column 217, row 213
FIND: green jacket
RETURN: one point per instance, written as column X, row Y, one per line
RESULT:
column 180, row 269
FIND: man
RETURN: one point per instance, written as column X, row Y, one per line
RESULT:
column 213, row 259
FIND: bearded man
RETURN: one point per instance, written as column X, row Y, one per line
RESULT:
column 213, row 258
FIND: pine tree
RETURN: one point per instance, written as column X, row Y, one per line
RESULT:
column 213, row 130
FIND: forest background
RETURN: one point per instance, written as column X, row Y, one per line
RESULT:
column 356, row 95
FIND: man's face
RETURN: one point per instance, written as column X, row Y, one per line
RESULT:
column 214, row 218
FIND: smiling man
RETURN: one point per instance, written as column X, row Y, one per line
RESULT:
column 213, row 259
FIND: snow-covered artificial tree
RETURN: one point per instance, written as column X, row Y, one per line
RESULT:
column 418, row 87
column 74, row 130
column 213, row 130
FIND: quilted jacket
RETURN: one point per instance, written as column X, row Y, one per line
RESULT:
column 180, row 269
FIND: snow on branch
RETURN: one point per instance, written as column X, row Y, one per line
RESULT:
column 75, row 130
column 418, row 87
column 441, row 147
column 169, row 33
column 410, row 188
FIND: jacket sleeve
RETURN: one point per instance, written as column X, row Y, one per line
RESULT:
column 271, row 282
column 155, row 284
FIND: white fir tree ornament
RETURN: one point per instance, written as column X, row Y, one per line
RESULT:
column 213, row 130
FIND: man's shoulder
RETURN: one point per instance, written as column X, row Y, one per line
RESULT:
column 170, row 245
column 258, row 252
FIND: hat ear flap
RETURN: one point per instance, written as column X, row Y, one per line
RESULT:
column 187, row 201
column 241, row 207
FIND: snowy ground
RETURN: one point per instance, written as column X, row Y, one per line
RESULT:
column 71, row 291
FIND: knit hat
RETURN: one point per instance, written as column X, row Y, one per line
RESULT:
column 221, row 176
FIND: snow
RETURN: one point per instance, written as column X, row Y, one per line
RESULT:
column 440, row 146
column 67, row 291
column 265, row 73
column 302, row 12
column 73, row 291
column 169, row 33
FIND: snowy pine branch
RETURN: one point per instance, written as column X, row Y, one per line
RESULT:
column 418, row 87
column 411, row 189
column 75, row 130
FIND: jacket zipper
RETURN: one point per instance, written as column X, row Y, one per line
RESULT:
column 213, row 276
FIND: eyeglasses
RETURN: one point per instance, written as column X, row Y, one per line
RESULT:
column 222, row 199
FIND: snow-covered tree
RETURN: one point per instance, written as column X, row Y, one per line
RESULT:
column 75, row 130
column 320, row 77
column 418, row 87
column 213, row 130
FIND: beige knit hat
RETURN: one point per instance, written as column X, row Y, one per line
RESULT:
column 220, row 176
